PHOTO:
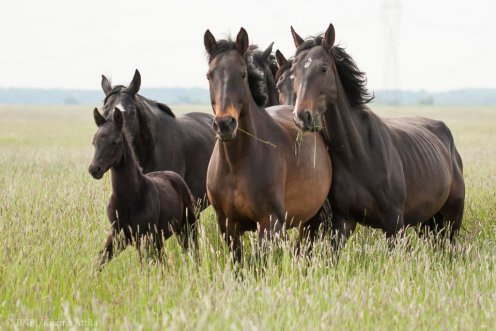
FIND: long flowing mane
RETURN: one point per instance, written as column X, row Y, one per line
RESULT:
column 255, row 75
column 354, row 81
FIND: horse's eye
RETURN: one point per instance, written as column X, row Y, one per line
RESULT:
column 114, row 142
column 324, row 69
column 209, row 75
column 243, row 75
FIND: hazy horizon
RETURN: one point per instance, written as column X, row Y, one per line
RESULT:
column 440, row 46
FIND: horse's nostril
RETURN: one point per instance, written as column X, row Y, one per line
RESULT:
column 305, row 116
column 215, row 125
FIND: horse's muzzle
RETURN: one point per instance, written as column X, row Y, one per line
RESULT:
column 306, row 121
column 225, row 128
column 96, row 171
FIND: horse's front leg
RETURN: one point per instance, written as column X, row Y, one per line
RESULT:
column 341, row 230
column 107, row 253
column 232, row 235
column 271, row 230
column 308, row 233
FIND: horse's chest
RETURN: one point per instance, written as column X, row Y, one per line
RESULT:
column 236, row 198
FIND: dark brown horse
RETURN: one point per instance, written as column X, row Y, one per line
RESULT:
column 161, row 140
column 285, row 80
column 260, row 177
column 266, row 64
column 389, row 173
column 154, row 205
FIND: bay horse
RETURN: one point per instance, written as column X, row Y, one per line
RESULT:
column 284, row 80
column 154, row 205
column 255, row 180
column 161, row 140
column 389, row 173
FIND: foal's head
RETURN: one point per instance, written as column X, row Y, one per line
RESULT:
column 233, row 82
column 108, row 142
column 318, row 66
column 123, row 98
column 285, row 80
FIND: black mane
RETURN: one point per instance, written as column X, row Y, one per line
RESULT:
column 354, row 81
column 256, row 80
column 118, row 89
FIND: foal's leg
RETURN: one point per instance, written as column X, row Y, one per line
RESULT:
column 107, row 253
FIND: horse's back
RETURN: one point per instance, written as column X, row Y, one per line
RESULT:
column 174, row 194
column 426, row 149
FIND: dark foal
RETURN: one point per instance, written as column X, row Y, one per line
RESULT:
column 389, row 173
column 256, row 180
column 160, row 139
column 156, row 205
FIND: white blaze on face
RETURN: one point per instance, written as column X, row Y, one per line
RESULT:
column 121, row 108
column 307, row 64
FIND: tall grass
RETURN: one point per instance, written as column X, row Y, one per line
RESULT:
column 53, row 223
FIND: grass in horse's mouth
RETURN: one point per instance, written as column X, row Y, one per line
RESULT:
column 256, row 138
column 298, row 141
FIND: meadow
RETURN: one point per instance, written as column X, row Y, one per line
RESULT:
column 53, row 224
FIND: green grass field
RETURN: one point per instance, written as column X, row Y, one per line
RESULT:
column 53, row 223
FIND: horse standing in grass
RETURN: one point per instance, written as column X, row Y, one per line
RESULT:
column 154, row 205
column 161, row 140
column 260, row 176
column 389, row 173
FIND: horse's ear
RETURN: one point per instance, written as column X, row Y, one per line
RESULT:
column 106, row 86
column 330, row 36
column 135, row 84
column 268, row 51
column 296, row 38
column 99, row 119
column 118, row 118
column 209, row 41
column 281, row 60
column 242, row 41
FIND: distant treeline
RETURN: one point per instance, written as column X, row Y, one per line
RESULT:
column 464, row 97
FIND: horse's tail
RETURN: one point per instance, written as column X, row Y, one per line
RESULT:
column 189, row 228
column 454, row 207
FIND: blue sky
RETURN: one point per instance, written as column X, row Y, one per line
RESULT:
column 440, row 45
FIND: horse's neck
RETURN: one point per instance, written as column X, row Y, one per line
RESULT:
column 272, row 91
column 345, row 129
column 252, row 126
column 127, row 178
column 145, row 145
